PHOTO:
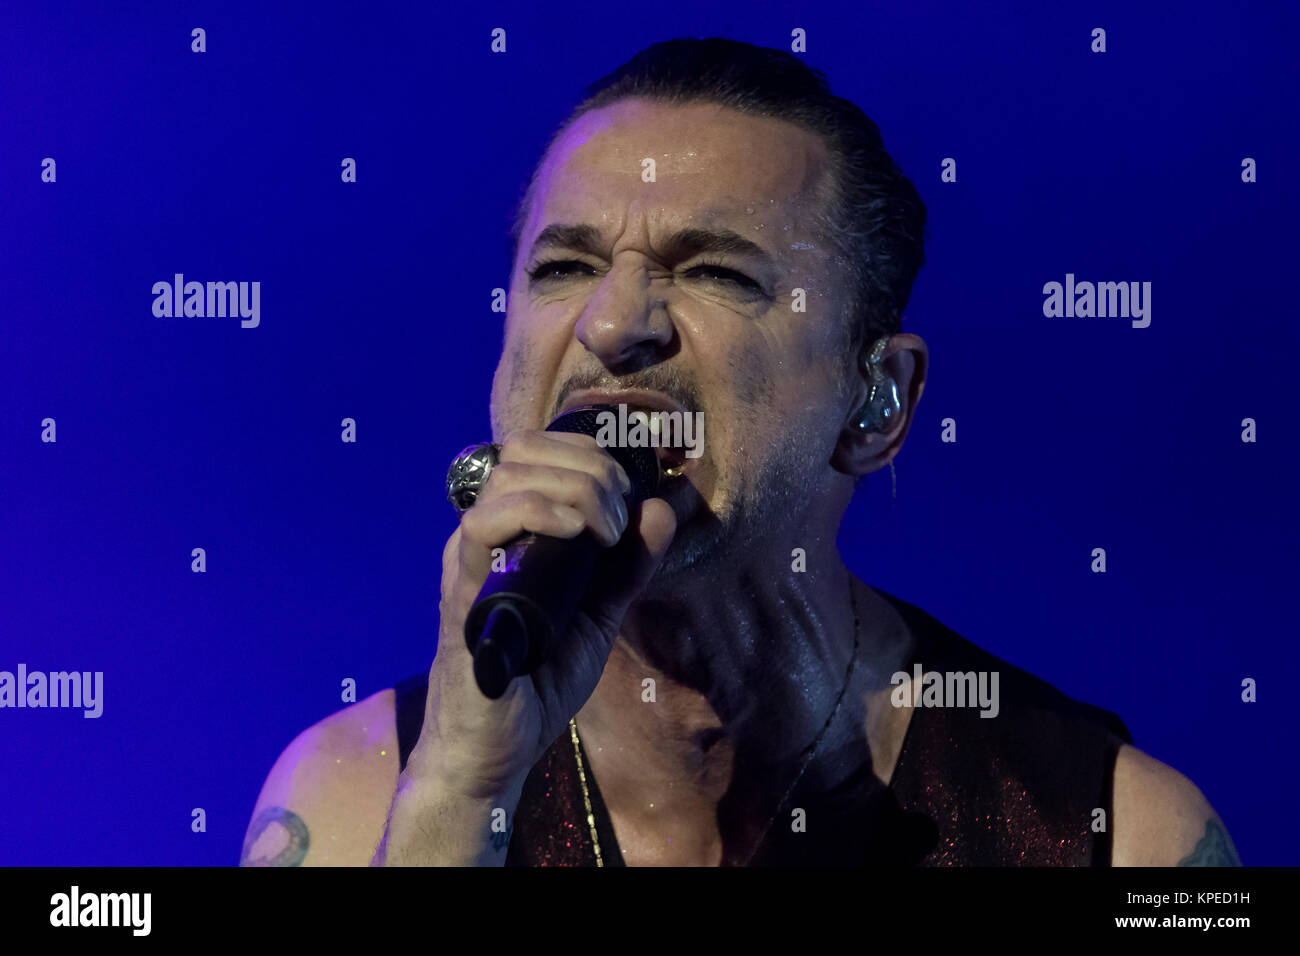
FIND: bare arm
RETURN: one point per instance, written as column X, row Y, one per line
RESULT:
column 1162, row 819
column 431, row 824
column 335, row 798
column 326, row 799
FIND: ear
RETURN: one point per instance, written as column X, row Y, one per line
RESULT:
column 858, row 453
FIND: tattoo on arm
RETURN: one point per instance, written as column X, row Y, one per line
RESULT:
column 1213, row 849
column 502, row 840
column 285, row 845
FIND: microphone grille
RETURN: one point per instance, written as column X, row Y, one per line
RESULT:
column 641, row 464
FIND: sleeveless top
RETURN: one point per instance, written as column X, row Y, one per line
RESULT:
column 1018, row 789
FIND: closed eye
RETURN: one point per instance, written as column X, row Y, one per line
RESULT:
column 561, row 268
column 544, row 270
column 730, row 275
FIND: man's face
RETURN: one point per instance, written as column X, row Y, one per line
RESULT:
column 639, row 301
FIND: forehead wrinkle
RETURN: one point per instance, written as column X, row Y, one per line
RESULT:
column 698, row 140
column 682, row 244
column 786, row 264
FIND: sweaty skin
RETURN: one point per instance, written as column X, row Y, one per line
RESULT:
column 683, row 286
column 747, row 656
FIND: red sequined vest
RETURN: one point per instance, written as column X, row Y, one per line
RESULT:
column 1020, row 789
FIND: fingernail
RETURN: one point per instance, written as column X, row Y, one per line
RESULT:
column 625, row 480
column 615, row 522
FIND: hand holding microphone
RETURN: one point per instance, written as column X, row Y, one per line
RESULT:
column 511, row 628
column 579, row 549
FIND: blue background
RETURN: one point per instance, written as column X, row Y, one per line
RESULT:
column 324, row 557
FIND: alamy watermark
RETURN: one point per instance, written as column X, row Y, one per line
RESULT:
column 1102, row 300
column 946, row 689
column 657, row 429
column 84, row 689
column 74, row 908
column 181, row 299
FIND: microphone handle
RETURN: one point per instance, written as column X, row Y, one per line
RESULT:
column 512, row 624
column 522, row 607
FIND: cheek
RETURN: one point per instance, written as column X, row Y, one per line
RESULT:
column 781, row 394
column 498, row 407
column 751, row 370
column 522, row 387
column 739, row 397
column 511, row 385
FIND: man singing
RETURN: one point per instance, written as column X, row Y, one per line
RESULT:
column 711, row 231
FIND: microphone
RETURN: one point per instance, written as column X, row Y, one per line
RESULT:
column 523, row 608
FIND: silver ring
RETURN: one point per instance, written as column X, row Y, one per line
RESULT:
column 469, row 472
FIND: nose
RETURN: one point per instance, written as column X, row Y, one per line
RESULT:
column 626, row 323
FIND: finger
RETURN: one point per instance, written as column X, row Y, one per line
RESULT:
column 450, row 562
column 602, row 505
column 490, row 525
column 564, row 450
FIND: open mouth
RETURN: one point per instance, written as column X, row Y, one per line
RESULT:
column 666, row 437
column 672, row 462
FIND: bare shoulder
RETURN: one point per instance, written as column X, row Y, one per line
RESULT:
column 325, row 801
column 1162, row 819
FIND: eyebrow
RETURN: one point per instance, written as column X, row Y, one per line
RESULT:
column 680, row 245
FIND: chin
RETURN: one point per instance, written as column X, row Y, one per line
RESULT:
column 700, row 543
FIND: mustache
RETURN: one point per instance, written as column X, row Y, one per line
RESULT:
column 680, row 388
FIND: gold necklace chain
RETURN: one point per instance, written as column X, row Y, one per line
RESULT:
column 586, row 797
column 811, row 750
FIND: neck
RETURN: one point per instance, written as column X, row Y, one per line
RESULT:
column 747, row 665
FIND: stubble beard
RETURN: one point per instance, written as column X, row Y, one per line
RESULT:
column 712, row 543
